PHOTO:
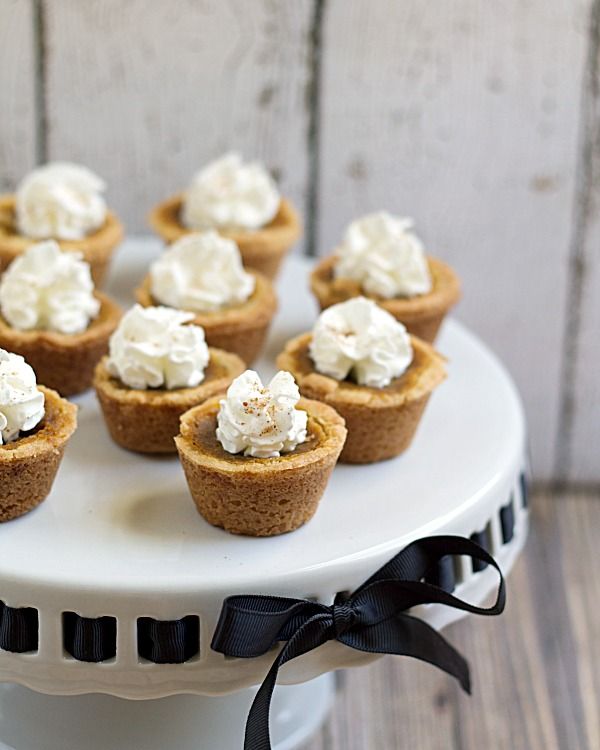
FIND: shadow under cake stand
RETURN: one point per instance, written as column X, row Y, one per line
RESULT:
column 120, row 539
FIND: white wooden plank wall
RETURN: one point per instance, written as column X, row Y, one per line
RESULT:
column 18, row 149
column 476, row 118
column 149, row 91
column 462, row 116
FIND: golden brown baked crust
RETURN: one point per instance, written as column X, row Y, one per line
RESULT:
column 146, row 421
column 63, row 361
column 28, row 465
column 97, row 248
column 422, row 315
column 262, row 249
column 240, row 328
column 381, row 422
column 258, row 496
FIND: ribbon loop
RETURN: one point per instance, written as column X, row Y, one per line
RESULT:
column 374, row 619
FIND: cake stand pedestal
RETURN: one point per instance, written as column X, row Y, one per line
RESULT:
column 119, row 546
column 34, row 721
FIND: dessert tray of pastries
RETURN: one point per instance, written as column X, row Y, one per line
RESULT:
column 213, row 418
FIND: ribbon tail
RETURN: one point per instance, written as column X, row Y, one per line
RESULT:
column 405, row 635
column 257, row 735
column 312, row 634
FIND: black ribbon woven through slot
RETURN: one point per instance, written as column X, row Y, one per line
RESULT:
column 507, row 521
column 481, row 538
column 168, row 641
column 374, row 619
column 443, row 574
column 89, row 639
column 524, row 489
column 18, row 629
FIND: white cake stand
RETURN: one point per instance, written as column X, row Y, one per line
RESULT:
column 120, row 538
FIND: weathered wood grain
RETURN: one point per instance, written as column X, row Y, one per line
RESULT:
column 146, row 93
column 536, row 669
column 582, row 579
column 17, row 92
column 528, row 689
column 465, row 116
column 385, row 708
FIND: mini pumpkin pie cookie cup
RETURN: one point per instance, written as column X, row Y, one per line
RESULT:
column 147, row 420
column 381, row 422
column 29, row 464
column 239, row 328
column 422, row 314
column 259, row 496
column 65, row 361
column 97, row 247
column 262, row 249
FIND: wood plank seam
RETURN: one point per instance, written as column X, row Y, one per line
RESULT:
column 40, row 70
column 313, row 141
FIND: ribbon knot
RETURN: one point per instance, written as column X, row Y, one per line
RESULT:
column 374, row 618
column 344, row 618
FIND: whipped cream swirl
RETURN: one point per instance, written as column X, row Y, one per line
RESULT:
column 359, row 340
column 21, row 403
column 261, row 421
column 384, row 256
column 201, row 272
column 228, row 194
column 60, row 200
column 153, row 348
column 47, row 289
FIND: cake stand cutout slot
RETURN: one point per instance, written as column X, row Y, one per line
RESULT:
column 444, row 574
column 19, row 629
column 507, row 521
column 524, row 490
column 483, row 539
column 169, row 641
column 89, row 639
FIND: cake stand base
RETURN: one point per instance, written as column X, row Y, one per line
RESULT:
column 34, row 721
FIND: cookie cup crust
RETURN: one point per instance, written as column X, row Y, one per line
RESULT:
column 262, row 249
column 62, row 361
column 28, row 465
column 242, row 328
column 97, row 248
column 258, row 496
column 422, row 315
column 381, row 422
column 146, row 421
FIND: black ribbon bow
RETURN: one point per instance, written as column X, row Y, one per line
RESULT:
column 373, row 619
